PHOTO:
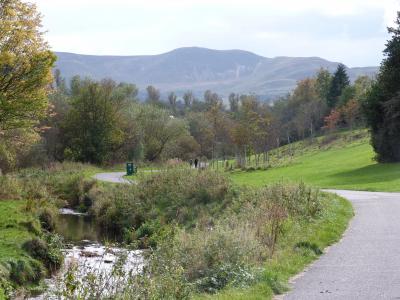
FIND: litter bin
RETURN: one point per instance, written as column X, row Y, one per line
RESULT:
column 130, row 169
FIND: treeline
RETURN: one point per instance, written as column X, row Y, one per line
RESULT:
column 104, row 122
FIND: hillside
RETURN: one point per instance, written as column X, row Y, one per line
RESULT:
column 344, row 161
column 199, row 69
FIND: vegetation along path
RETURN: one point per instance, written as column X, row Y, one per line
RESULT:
column 365, row 264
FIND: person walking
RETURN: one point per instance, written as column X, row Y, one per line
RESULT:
column 196, row 162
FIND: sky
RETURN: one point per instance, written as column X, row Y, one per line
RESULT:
column 350, row 31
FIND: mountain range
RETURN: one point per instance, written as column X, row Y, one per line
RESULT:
column 198, row 69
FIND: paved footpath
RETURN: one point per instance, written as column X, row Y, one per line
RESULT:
column 114, row 177
column 365, row 264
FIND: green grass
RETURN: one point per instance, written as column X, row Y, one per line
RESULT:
column 289, row 259
column 13, row 230
column 347, row 164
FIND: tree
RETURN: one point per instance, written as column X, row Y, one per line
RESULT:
column 323, row 81
column 201, row 129
column 382, row 104
column 361, row 87
column 172, row 101
column 153, row 95
column 234, row 102
column 157, row 129
column 211, row 99
column 307, row 108
column 58, row 109
column 59, row 81
column 248, row 129
column 333, row 119
column 92, row 128
column 339, row 82
column 351, row 112
column 188, row 99
column 25, row 66
column 348, row 93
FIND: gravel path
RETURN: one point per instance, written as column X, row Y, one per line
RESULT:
column 365, row 264
column 114, row 177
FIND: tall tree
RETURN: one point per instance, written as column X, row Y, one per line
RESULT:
column 307, row 108
column 25, row 66
column 340, row 81
column 234, row 102
column 157, row 129
column 323, row 81
column 153, row 95
column 382, row 104
column 188, row 99
column 92, row 127
column 172, row 101
column 211, row 99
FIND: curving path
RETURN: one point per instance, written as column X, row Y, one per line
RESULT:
column 113, row 177
column 365, row 264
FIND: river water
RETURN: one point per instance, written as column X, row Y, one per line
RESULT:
column 90, row 251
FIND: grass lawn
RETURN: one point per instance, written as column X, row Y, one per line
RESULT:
column 289, row 259
column 348, row 165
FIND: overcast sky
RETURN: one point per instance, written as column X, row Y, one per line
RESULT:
column 350, row 31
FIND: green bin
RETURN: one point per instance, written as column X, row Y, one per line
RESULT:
column 130, row 169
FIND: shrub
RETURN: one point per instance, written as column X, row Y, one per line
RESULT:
column 47, row 251
column 36, row 247
column 47, row 218
column 168, row 197
column 24, row 271
column 183, row 195
column 215, row 257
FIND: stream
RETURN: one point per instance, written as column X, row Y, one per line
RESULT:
column 87, row 252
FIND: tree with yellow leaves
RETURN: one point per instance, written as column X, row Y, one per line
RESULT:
column 25, row 66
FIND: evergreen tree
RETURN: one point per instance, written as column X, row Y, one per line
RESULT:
column 382, row 105
column 339, row 82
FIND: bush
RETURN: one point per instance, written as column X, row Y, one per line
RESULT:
column 37, row 248
column 184, row 195
column 47, row 251
column 168, row 197
column 215, row 257
column 24, row 271
column 47, row 218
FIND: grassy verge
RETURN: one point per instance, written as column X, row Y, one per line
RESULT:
column 13, row 229
column 290, row 259
column 344, row 164
column 16, row 227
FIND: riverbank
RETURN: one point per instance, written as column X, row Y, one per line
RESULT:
column 21, row 270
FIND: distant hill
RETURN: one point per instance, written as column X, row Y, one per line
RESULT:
column 199, row 69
